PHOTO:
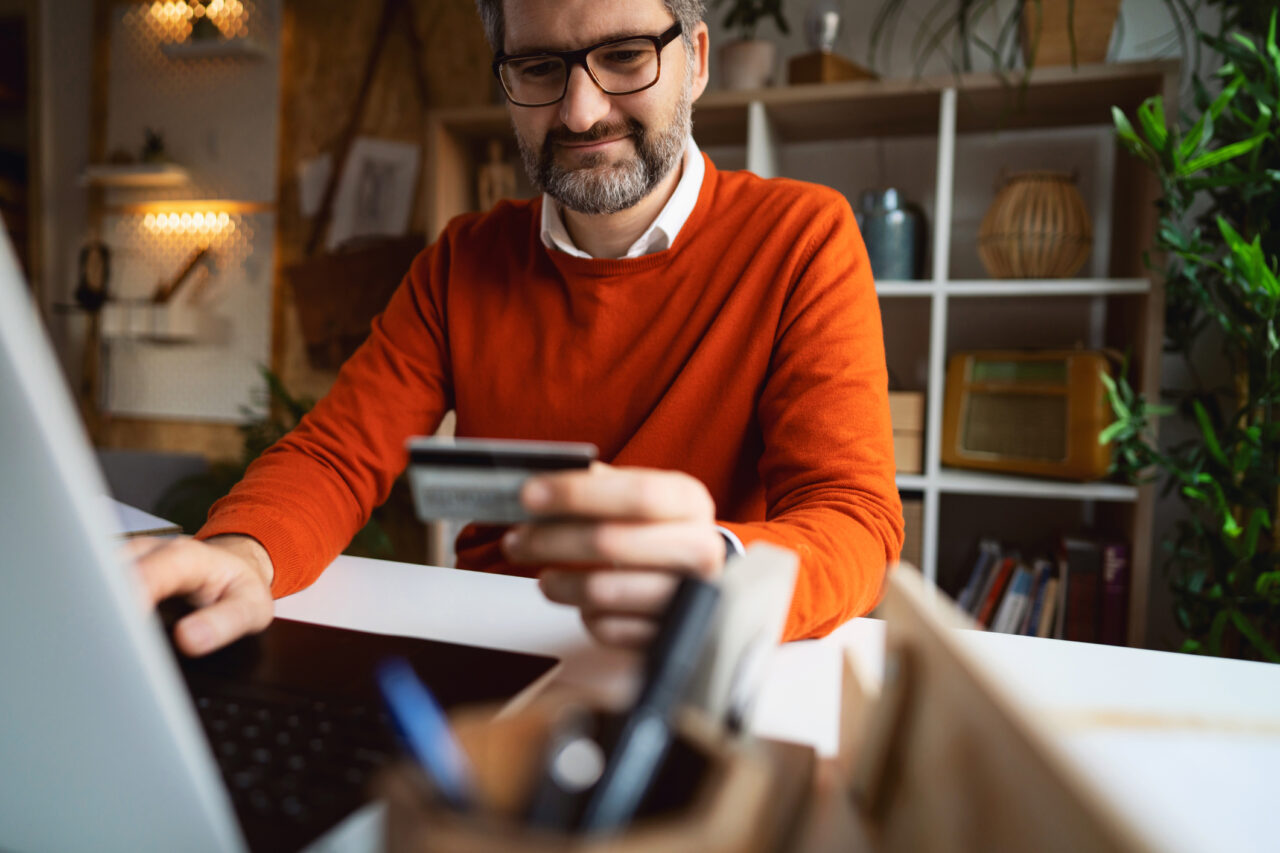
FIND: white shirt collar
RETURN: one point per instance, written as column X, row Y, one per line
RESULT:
column 660, row 234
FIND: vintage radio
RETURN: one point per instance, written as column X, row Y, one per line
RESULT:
column 1034, row 412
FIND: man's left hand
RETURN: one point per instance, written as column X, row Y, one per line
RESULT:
column 619, row 539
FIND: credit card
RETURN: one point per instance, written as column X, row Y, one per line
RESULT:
column 479, row 479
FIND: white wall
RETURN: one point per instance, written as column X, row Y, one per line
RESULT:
column 218, row 116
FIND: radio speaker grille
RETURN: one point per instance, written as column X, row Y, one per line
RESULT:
column 1023, row 426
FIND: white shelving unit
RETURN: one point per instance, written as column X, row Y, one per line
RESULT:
column 1116, row 306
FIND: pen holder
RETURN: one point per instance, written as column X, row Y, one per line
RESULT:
column 713, row 793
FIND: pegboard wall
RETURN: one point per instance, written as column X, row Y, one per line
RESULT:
column 218, row 117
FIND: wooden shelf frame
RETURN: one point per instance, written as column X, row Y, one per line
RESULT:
column 1125, row 306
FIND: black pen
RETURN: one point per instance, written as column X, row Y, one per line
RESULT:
column 646, row 732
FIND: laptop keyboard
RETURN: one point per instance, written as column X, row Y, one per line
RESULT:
column 294, row 765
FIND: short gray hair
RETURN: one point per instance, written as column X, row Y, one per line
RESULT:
column 688, row 12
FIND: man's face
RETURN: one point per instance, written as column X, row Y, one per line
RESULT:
column 592, row 152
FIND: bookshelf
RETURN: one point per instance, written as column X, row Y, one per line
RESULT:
column 949, row 138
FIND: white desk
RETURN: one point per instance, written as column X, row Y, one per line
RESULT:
column 1189, row 747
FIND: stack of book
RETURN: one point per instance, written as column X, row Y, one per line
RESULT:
column 1082, row 593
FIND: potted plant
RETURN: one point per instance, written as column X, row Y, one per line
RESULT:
column 187, row 502
column 1218, row 240
column 1035, row 33
column 748, row 62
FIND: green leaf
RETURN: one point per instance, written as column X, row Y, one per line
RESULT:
column 1222, row 155
column 1213, row 642
column 1151, row 117
column 1258, row 519
column 1210, row 436
column 1244, row 40
column 1125, row 131
column 1246, row 627
column 1109, row 434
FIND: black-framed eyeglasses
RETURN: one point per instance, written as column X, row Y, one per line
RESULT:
column 619, row 67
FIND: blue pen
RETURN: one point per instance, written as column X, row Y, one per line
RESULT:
column 425, row 732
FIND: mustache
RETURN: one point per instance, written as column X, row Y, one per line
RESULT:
column 596, row 132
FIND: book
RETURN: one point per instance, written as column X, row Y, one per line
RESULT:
column 1043, row 571
column 1016, row 600
column 995, row 590
column 1114, row 619
column 1049, row 616
column 988, row 556
column 1082, row 559
column 1060, row 606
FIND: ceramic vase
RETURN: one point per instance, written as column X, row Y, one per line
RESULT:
column 894, row 232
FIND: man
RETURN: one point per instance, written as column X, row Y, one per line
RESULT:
column 716, row 335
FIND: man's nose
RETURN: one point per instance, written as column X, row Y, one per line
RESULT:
column 584, row 102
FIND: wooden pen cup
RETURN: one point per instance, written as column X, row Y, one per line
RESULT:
column 713, row 793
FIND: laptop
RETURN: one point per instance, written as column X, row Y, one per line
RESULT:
column 103, row 744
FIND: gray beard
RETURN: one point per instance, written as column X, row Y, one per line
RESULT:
column 600, row 187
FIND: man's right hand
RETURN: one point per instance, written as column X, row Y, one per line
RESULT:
column 227, row 578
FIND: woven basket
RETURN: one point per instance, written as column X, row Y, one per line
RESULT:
column 1037, row 227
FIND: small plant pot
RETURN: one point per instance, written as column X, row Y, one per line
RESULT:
column 1091, row 21
column 748, row 64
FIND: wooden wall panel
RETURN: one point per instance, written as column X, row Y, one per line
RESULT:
column 326, row 43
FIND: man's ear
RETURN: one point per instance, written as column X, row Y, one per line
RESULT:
column 701, row 58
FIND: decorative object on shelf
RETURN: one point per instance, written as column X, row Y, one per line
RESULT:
column 162, row 318
column 1035, row 412
column 495, row 179
column 203, row 29
column 167, row 289
column 906, row 411
column 1037, row 227
column 822, row 64
column 153, row 150
column 93, row 282
column 749, row 62
column 894, row 231
column 1030, row 33
column 822, row 22
column 1067, row 32
column 335, row 317
column 1219, row 245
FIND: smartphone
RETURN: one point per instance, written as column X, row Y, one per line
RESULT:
column 479, row 479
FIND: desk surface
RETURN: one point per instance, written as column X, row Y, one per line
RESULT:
column 1187, row 746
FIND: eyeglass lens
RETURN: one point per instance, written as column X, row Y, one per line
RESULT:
column 619, row 68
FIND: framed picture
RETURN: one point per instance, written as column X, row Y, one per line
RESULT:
column 376, row 193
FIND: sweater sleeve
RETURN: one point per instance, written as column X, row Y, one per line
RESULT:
column 827, row 466
column 308, row 494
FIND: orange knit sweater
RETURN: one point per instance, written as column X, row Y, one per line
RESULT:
column 749, row 355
